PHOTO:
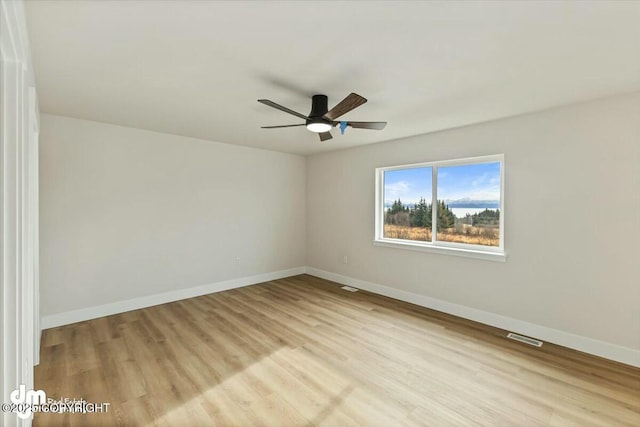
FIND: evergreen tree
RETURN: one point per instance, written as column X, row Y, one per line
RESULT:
column 420, row 215
column 485, row 218
column 397, row 214
column 446, row 218
column 428, row 216
column 396, row 207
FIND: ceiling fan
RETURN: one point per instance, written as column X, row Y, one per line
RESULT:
column 320, row 120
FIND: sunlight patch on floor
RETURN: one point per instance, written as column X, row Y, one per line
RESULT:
column 255, row 395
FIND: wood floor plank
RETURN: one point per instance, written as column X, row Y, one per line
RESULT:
column 301, row 351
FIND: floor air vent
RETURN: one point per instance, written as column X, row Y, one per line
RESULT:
column 524, row 339
column 349, row 288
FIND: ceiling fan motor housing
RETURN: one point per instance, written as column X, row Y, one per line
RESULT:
column 319, row 107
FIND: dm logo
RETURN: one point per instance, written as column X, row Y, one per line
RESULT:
column 26, row 399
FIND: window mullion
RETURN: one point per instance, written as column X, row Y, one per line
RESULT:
column 434, row 204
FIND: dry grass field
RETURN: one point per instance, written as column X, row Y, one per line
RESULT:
column 407, row 233
column 468, row 234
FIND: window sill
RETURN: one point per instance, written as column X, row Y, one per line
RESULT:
column 426, row 247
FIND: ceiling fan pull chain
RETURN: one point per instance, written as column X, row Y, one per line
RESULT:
column 343, row 127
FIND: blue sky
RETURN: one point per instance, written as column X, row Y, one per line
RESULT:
column 476, row 182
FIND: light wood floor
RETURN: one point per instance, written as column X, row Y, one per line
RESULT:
column 301, row 351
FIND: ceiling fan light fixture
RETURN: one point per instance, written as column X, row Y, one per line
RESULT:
column 319, row 127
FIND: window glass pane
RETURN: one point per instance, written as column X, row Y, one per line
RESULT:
column 469, row 204
column 407, row 204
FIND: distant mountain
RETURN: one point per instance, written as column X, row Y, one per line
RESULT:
column 470, row 203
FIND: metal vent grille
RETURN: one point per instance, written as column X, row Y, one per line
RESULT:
column 524, row 339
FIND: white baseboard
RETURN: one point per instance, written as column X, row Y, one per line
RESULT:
column 60, row 319
column 604, row 349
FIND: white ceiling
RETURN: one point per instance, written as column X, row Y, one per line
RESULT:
column 196, row 68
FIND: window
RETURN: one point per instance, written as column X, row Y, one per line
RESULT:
column 452, row 206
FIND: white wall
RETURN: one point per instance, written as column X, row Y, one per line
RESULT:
column 572, row 220
column 127, row 213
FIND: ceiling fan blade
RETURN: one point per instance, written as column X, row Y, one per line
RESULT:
column 367, row 125
column 281, row 126
column 324, row 136
column 281, row 108
column 353, row 100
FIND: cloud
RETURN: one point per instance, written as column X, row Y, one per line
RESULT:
column 485, row 193
column 485, row 179
column 406, row 191
column 396, row 190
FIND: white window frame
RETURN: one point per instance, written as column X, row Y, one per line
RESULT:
column 449, row 248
